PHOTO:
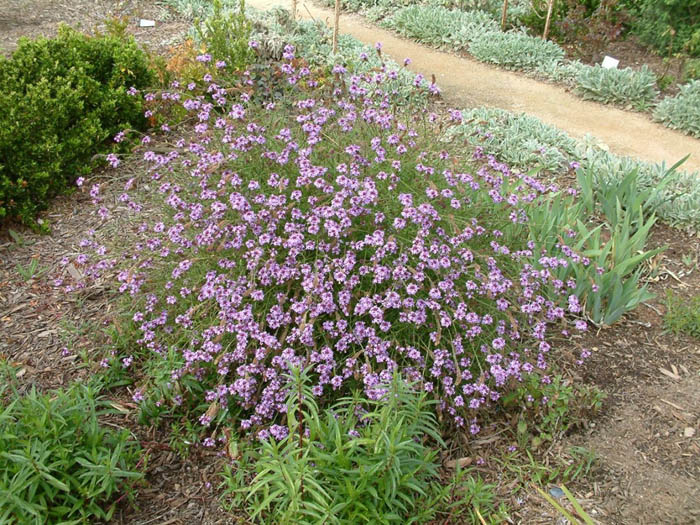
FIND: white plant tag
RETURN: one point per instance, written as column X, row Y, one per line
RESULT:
column 610, row 62
column 147, row 23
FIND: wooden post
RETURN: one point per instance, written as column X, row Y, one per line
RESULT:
column 294, row 10
column 504, row 15
column 335, row 26
column 549, row 18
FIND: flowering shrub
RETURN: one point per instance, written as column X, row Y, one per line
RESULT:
column 62, row 100
column 327, row 233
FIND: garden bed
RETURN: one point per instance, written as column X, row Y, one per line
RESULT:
column 648, row 466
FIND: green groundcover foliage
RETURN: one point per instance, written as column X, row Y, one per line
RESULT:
column 58, row 464
column 63, row 99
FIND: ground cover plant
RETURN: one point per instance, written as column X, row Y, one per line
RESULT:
column 64, row 99
column 515, row 50
column 201, row 365
column 682, row 111
column 438, row 26
column 58, row 464
column 682, row 316
column 525, row 143
column 620, row 86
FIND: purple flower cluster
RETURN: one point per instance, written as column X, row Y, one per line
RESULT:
column 333, row 240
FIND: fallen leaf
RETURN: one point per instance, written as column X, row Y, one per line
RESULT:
column 461, row 462
column 74, row 273
column 688, row 432
column 669, row 374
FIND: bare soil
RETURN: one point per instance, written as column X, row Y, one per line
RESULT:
column 33, row 18
column 648, row 436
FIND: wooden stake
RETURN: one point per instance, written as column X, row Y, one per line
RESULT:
column 294, row 9
column 335, row 27
column 504, row 15
column 549, row 17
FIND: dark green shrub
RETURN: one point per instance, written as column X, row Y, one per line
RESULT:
column 57, row 463
column 669, row 26
column 63, row 99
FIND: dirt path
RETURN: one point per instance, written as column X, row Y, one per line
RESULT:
column 468, row 83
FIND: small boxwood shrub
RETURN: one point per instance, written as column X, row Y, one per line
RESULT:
column 515, row 50
column 682, row 111
column 62, row 100
column 627, row 87
column 58, row 464
column 439, row 26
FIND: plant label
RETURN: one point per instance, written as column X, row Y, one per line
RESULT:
column 147, row 23
column 610, row 62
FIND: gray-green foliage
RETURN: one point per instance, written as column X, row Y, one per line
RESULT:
column 677, row 202
column 514, row 50
column 524, row 143
column 361, row 461
column 564, row 73
column 683, row 110
column 196, row 9
column 438, row 26
column 58, row 464
column 626, row 87
column 521, row 141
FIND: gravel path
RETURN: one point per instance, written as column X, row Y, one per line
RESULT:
column 467, row 83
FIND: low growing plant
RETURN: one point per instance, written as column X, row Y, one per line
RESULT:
column 682, row 111
column 298, row 233
column 682, row 316
column 360, row 461
column 514, row 50
column 438, row 26
column 521, row 141
column 274, row 29
column 550, row 411
column 526, row 143
column 625, row 87
column 58, row 464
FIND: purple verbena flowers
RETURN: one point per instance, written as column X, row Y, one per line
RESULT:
column 336, row 238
